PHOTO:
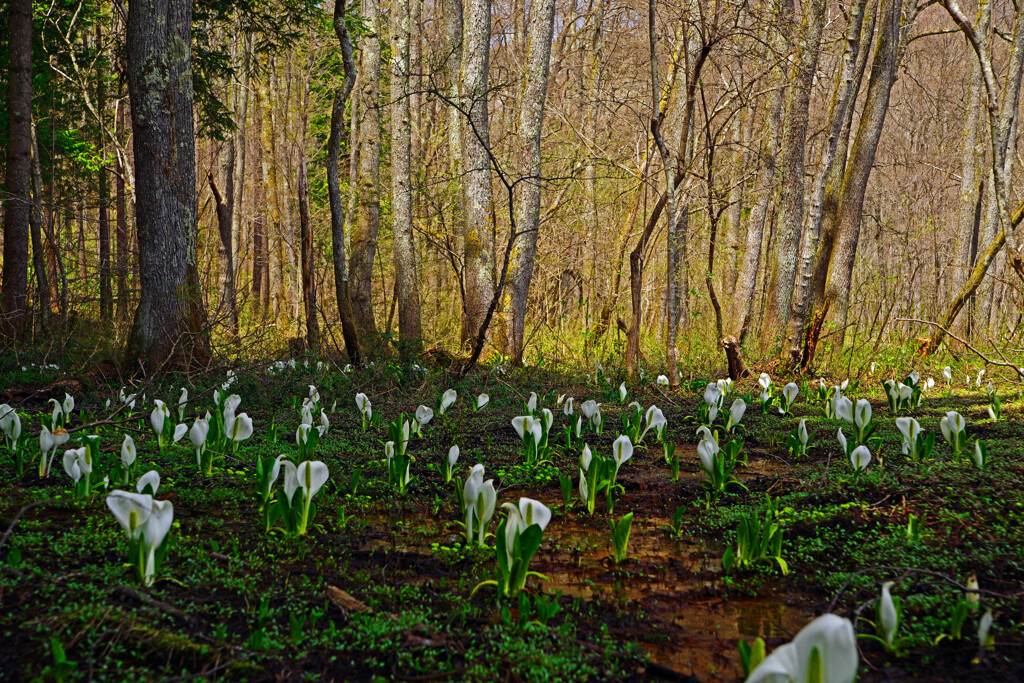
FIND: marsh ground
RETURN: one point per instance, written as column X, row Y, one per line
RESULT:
column 382, row 587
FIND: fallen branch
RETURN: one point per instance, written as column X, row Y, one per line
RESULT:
column 988, row 361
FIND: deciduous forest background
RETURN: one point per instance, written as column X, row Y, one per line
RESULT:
column 675, row 183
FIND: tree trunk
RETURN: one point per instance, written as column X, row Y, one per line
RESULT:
column 896, row 21
column 18, row 207
column 307, row 264
column 37, row 227
column 972, row 178
column 830, row 173
column 744, row 133
column 169, row 320
column 791, row 192
column 103, row 187
column 668, row 160
column 1002, row 116
column 750, row 261
column 348, row 325
column 227, row 281
column 695, row 66
column 121, row 226
column 594, row 60
column 367, row 187
column 407, row 285
column 531, row 119
column 478, row 254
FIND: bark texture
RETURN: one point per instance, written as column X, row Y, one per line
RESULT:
column 895, row 22
column 367, row 188
column 830, row 175
column 478, row 254
column 18, row 207
column 407, row 286
column 531, row 119
column 791, row 166
column 169, row 320
column 348, row 325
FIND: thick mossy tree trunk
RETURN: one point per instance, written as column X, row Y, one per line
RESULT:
column 169, row 321
column 18, row 207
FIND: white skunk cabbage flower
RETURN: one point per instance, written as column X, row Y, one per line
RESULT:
column 150, row 480
column 843, row 407
column 241, row 428
column 860, row 458
column 654, row 419
column 77, row 463
column 736, row 411
column 835, row 641
column 713, row 395
column 952, row 425
column 910, row 429
column 622, row 451
column 889, row 617
column 789, row 394
column 707, row 449
column 197, row 435
column 144, row 519
column 481, row 401
column 520, row 518
column 424, row 415
column 448, row 400
column 10, row 424
column 527, row 424
column 984, row 626
column 159, row 415
column 662, row 381
column 363, row 404
column 128, row 451
column 179, row 432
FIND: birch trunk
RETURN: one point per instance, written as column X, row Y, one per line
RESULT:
column 593, row 61
column 531, row 119
column 478, row 254
column 972, row 178
column 367, row 187
column 407, row 286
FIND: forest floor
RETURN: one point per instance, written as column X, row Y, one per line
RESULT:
column 382, row 586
